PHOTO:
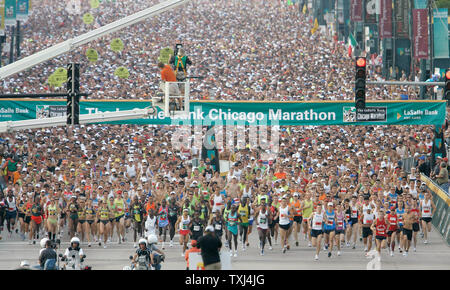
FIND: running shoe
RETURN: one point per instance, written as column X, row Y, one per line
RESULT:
column 231, row 253
column 34, row 242
column 422, row 235
column 104, row 247
column 405, row 254
column 235, row 254
column 329, row 254
column 425, row 242
column 262, row 252
column 134, row 245
column 296, row 244
column 392, row 253
column 414, row 249
column 316, row 257
column 288, row 247
column 339, row 253
column 171, row 244
column 182, row 254
column 30, row 242
column 284, row 249
column 89, row 245
column 309, row 244
column 270, row 248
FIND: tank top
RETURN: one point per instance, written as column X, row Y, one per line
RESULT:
column 104, row 213
column 284, row 216
column 89, row 212
column 226, row 212
column 218, row 202
column 366, row 207
column 317, row 221
column 330, row 219
column 81, row 214
column 368, row 218
column 426, row 208
column 120, row 206
column 307, row 209
column 340, row 221
column 243, row 212
column 296, row 206
column 381, row 228
column 263, row 220
column 51, row 210
column 400, row 216
column 11, row 204
column 197, row 227
column 184, row 223
column 232, row 219
column 392, row 218
column 218, row 225
column 354, row 214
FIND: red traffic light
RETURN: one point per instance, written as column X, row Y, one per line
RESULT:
column 447, row 74
column 361, row 62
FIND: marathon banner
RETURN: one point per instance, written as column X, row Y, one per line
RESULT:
column 356, row 10
column 440, row 33
column 420, row 33
column 385, row 19
column 10, row 12
column 401, row 10
column 246, row 112
column 22, row 10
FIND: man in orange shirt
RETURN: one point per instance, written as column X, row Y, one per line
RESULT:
column 194, row 249
column 168, row 75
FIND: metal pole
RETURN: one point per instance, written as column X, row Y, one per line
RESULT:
column 430, row 15
column 11, row 46
column 18, row 39
column 394, row 34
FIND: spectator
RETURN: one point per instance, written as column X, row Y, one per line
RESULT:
column 210, row 246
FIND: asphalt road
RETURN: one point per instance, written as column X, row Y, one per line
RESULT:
column 434, row 255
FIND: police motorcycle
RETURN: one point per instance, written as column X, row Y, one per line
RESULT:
column 143, row 261
column 74, row 257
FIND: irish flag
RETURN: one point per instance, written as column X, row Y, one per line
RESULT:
column 351, row 45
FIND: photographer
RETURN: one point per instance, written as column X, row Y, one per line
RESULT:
column 47, row 258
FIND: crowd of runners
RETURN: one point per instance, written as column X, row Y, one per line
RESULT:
column 328, row 187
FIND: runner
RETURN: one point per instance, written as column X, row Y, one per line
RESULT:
column 416, row 222
column 89, row 225
column 183, row 224
column 341, row 222
column 367, row 219
column 11, row 212
column 174, row 211
column 244, row 212
column 52, row 218
column 263, row 217
column 36, row 220
column 120, row 207
column 196, row 227
column 218, row 223
column 81, row 218
column 354, row 222
column 103, row 222
column 400, row 211
column 392, row 221
column 163, row 222
column 408, row 219
column 72, row 211
column 380, row 228
column 316, row 223
column 297, row 205
column 427, row 209
column 286, row 212
column 329, row 228
column 137, row 209
column 232, row 225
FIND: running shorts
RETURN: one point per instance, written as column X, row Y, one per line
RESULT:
column 340, row 232
column 10, row 215
column 184, row 232
column 353, row 221
column 328, row 231
column 367, row 232
column 316, row 233
column 426, row 219
column 27, row 219
column 21, row 215
column 119, row 217
column 416, row 227
column 298, row 219
column 408, row 234
column 285, row 227
column 380, row 238
column 399, row 229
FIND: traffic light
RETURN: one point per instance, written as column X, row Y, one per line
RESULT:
column 447, row 85
column 73, row 89
column 360, row 83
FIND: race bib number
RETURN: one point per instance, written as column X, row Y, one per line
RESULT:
column 196, row 228
column 218, row 227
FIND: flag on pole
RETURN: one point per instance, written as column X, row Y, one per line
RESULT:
column 315, row 27
column 351, row 44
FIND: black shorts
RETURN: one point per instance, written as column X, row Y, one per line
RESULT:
column 90, row 222
column 275, row 221
column 298, row 219
column 173, row 220
column 390, row 233
column 285, row 227
column 118, row 218
column 316, row 233
column 408, row 234
column 27, row 219
column 399, row 229
column 21, row 215
column 416, row 227
column 340, row 232
column 63, row 215
column 328, row 231
column 426, row 219
column 112, row 220
column 104, row 222
column 380, row 238
column 81, row 221
column 353, row 221
column 366, row 232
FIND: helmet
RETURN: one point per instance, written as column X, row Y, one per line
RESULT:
column 43, row 242
column 152, row 239
column 142, row 241
column 75, row 240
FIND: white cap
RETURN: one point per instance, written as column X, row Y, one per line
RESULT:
column 209, row 229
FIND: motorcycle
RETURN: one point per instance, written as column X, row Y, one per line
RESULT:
column 74, row 262
column 50, row 264
column 142, row 264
